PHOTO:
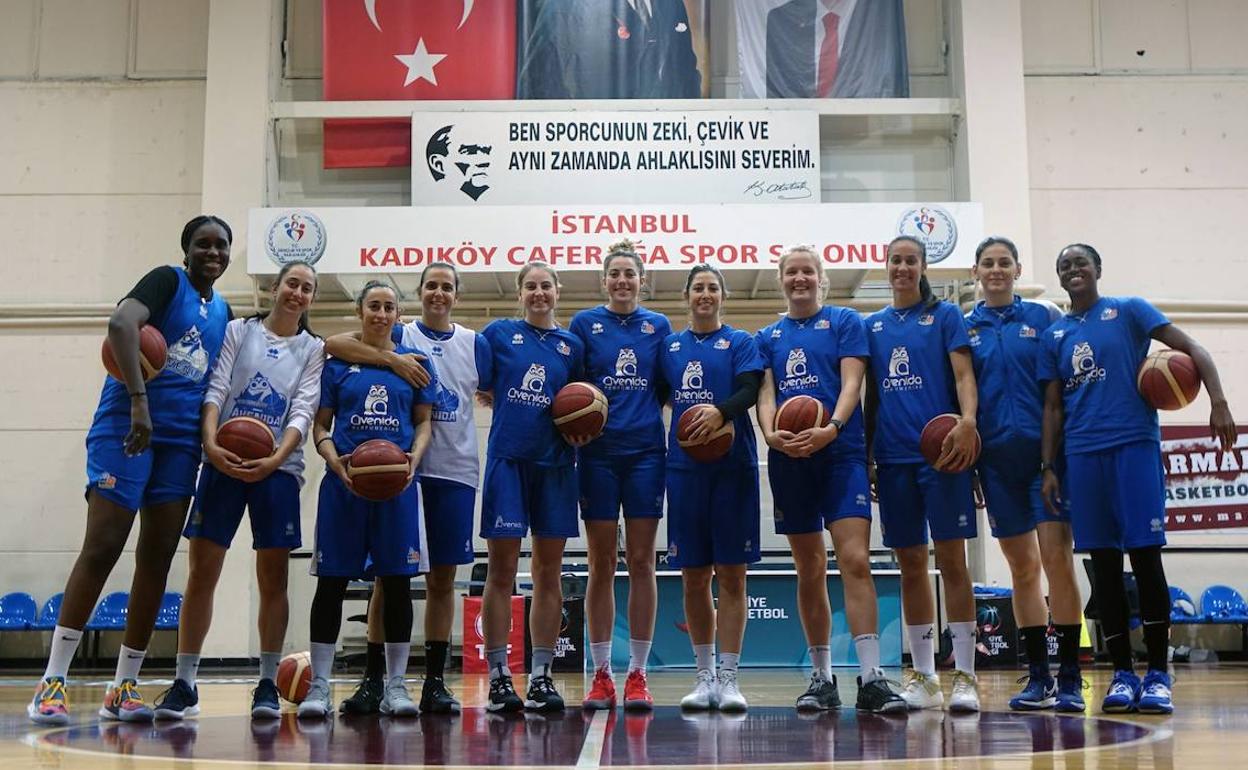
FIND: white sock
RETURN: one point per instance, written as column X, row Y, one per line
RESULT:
column 728, row 661
column 638, row 654
column 821, row 660
column 543, row 657
column 129, row 661
column 269, row 663
column 922, row 640
column 868, row 648
column 963, row 634
column 322, row 659
column 64, row 645
column 704, row 654
column 496, row 659
column 600, row 654
column 187, row 668
column 396, row 659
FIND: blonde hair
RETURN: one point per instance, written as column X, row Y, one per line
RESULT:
column 623, row 248
column 536, row 265
column 805, row 248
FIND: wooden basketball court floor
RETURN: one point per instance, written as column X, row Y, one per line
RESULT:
column 1209, row 729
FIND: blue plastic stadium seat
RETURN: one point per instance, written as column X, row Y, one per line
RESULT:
column 1223, row 604
column 17, row 611
column 110, row 615
column 169, row 612
column 1182, row 608
column 49, row 614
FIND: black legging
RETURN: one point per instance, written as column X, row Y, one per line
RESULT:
column 396, row 608
column 1111, row 602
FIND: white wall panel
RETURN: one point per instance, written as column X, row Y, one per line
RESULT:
column 57, row 383
column 303, row 38
column 1059, row 36
column 1218, row 30
column 17, row 38
column 170, row 39
column 925, row 36
column 84, row 39
column 1144, row 35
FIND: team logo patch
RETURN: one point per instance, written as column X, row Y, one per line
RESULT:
column 106, row 481
column 927, row 319
column 675, row 346
column 722, row 344
column 1109, row 314
column 353, row 369
column 647, row 327
column 1027, row 332
column 878, row 326
column 822, row 323
column 517, row 339
column 563, row 348
column 413, row 556
column 595, row 328
column 775, row 333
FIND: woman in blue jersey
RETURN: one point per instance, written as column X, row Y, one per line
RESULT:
column 818, row 477
column 1005, row 332
column 920, row 368
column 622, row 468
column 448, row 476
column 1111, row 439
column 142, row 455
column 270, row 370
column 529, row 482
column 713, row 508
column 360, row 403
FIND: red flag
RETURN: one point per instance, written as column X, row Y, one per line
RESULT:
column 410, row 49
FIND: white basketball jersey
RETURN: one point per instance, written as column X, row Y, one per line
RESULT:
column 452, row 452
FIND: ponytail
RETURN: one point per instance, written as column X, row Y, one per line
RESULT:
column 930, row 300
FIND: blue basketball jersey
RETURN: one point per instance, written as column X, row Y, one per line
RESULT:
column 1005, row 345
column 1096, row 355
column 372, row 402
column 530, row 366
column 910, row 368
column 194, row 330
column 622, row 360
column 804, row 356
column 700, row 368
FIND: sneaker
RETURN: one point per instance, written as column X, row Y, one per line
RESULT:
column 503, row 697
column 125, row 704
column 366, row 699
column 921, row 691
column 878, row 696
column 436, row 699
column 601, row 695
column 179, row 701
column 1069, row 690
column 730, row 698
column 636, row 693
column 1040, row 692
column 705, row 695
column 50, row 706
column 1122, row 693
column 965, row 695
column 397, row 702
column 542, row 695
column 316, row 704
column 820, row 695
column 1154, row 695
column 264, row 703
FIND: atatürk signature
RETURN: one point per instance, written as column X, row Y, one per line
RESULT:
column 785, row 191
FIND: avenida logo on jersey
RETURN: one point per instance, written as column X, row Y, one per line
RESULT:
column 691, row 390
column 899, row 375
column 532, row 390
column 796, row 375
column 1083, row 365
column 625, row 377
column 298, row 236
column 376, row 411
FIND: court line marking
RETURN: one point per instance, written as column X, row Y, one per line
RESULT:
column 595, row 738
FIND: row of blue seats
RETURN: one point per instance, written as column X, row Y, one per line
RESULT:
column 19, row 612
column 1218, row 604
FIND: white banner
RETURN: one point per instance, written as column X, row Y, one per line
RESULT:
column 519, row 158
column 405, row 239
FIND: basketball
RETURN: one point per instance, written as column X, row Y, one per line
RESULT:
column 713, row 449
column 933, row 437
column 579, row 409
column 246, row 437
column 802, row 413
column 378, row 470
column 1168, row 380
column 152, row 352
column 294, row 676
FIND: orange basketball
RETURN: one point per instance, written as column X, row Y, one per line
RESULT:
column 802, row 413
column 378, row 470
column 1168, row 380
column 152, row 353
column 579, row 409
column 933, row 437
column 294, row 676
column 714, row 448
column 246, row 437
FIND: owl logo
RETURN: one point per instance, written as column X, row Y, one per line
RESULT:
column 1082, row 359
column 899, row 363
column 692, row 378
column 259, row 387
column 187, row 356
column 796, row 365
column 377, row 402
column 626, row 363
column 534, row 379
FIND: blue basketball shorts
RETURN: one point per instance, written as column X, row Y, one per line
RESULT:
column 633, row 482
column 351, row 530
column 1010, row 478
column 914, row 497
column 161, row 473
column 810, row 493
column 272, row 504
column 1117, row 497
column 519, row 495
column 448, row 509
column 713, row 515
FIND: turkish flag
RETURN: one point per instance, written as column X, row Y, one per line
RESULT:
column 410, row 49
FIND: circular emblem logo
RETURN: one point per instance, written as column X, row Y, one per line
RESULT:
column 934, row 227
column 298, row 236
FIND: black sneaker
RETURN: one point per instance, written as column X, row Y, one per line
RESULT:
column 503, row 697
column 366, row 699
column 436, row 699
column 878, row 697
column 542, row 695
column 821, row 695
column 179, row 701
column 264, row 704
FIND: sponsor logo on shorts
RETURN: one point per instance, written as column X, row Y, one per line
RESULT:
column 413, row 556
column 106, row 481
column 1157, row 525
column 500, row 523
column 963, row 520
column 861, row 500
column 290, row 528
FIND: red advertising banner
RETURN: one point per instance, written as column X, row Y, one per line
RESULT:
column 474, row 637
column 1206, row 488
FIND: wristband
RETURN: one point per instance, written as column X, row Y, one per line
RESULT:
column 323, row 439
column 1045, row 466
column 140, row 394
column 840, row 424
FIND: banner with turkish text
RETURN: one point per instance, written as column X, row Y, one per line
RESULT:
column 1206, row 488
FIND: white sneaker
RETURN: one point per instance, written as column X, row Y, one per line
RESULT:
column 965, row 696
column 396, row 701
column 705, row 693
column 921, row 691
column 730, row 697
column 316, row 703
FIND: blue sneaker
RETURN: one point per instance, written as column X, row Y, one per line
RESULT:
column 1122, row 693
column 1154, row 695
column 1040, row 691
column 178, row 702
column 1069, row 690
column 264, row 703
